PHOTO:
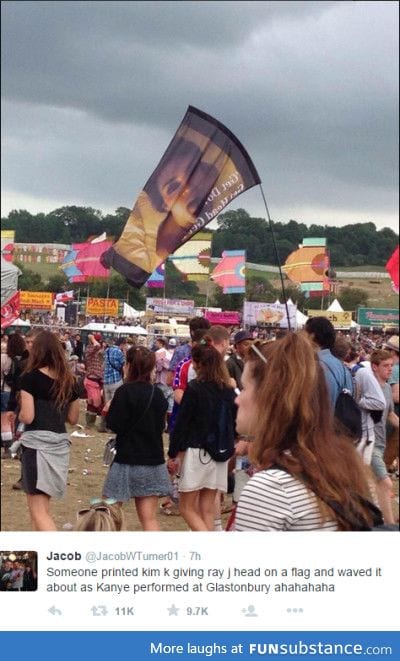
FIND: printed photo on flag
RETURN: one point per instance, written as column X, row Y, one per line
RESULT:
column 203, row 169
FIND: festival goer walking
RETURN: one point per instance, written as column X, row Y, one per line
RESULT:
column 48, row 400
column 93, row 382
column 381, row 366
column 392, row 445
column 207, row 397
column 137, row 415
column 303, row 464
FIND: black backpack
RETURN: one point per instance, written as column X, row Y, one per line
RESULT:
column 13, row 373
column 347, row 410
column 220, row 441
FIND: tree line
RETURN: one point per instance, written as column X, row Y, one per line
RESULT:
column 349, row 246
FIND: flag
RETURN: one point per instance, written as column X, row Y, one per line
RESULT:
column 88, row 259
column 193, row 258
column 65, row 296
column 157, row 278
column 204, row 168
column 230, row 272
column 10, row 310
column 83, row 260
column 392, row 267
column 309, row 267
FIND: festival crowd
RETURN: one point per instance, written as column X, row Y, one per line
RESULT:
column 300, row 427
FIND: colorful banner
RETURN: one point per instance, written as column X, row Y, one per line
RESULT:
column 230, row 272
column 223, row 318
column 157, row 278
column 7, row 244
column 36, row 300
column 309, row 267
column 377, row 317
column 203, row 169
column 338, row 319
column 193, row 258
column 108, row 306
column 40, row 253
column 392, row 267
column 268, row 314
column 82, row 261
column 10, row 310
column 170, row 306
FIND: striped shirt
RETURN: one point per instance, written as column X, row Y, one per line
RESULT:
column 274, row 500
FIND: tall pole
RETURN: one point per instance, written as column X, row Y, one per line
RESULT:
column 277, row 258
column 108, row 294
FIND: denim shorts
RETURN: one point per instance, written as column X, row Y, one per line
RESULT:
column 124, row 482
column 378, row 463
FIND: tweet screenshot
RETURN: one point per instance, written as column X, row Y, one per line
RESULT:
column 199, row 330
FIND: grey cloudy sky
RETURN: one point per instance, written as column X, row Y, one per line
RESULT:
column 92, row 93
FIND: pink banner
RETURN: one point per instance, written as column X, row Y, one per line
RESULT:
column 10, row 311
column 224, row 318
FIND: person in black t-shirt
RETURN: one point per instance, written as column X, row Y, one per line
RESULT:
column 49, row 398
column 137, row 414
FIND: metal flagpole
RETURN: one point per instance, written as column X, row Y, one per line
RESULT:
column 108, row 294
column 277, row 258
column 209, row 277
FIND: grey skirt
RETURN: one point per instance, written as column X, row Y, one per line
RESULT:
column 124, row 481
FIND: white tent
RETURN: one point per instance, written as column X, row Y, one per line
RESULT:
column 98, row 327
column 335, row 307
column 300, row 319
column 9, row 280
column 131, row 330
column 21, row 322
column 129, row 312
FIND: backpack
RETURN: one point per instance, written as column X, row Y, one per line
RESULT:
column 13, row 373
column 220, row 441
column 347, row 410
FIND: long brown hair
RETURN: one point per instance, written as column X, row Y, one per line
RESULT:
column 140, row 362
column 210, row 365
column 47, row 352
column 295, row 429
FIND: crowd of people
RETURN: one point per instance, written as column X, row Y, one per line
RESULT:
column 17, row 574
column 220, row 412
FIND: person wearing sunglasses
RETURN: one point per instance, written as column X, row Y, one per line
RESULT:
column 103, row 515
column 302, row 462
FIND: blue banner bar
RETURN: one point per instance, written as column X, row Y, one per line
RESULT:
column 139, row 646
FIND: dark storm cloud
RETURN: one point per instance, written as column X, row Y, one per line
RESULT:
column 95, row 89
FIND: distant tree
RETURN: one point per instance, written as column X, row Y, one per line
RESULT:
column 82, row 222
column 57, row 283
column 350, row 298
column 29, row 280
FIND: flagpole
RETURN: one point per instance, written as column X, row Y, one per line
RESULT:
column 209, row 276
column 108, row 294
column 277, row 258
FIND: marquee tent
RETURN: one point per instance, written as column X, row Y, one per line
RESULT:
column 9, row 280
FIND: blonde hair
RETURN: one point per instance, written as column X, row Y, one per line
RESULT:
column 102, row 518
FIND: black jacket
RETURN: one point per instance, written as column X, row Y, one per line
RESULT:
column 139, row 429
column 198, row 415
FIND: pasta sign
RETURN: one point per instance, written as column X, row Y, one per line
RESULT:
column 100, row 306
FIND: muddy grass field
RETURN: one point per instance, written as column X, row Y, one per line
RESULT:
column 85, row 481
